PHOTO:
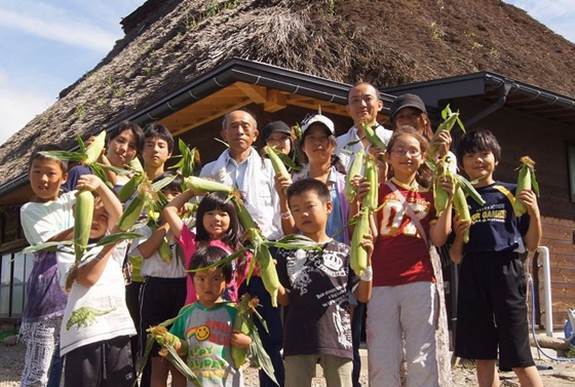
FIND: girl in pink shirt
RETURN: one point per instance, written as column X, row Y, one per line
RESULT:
column 217, row 224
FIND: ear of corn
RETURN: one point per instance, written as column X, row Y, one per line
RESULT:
column 525, row 181
column 373, row 138
column 277, row 163
column 83, row 222
column 132, row 213
column 262, row 254
column 205, row 185
column 461, row 208
column 130, row 187
column 94, row 150
column 354, row 170
column 243, row 323
column 268, row 273
column 469, row 190
column 358, row 259
column 371, row 175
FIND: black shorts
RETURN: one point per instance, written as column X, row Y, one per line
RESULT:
column 160, row 299
column 492, row 310
column 105, row 363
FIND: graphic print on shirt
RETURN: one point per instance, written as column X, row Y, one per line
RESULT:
column 395, row 220
column 85, row 316
column 201, row 333
column 205, row 356
column 342, row 324
column 490, row 213
column 298, row 272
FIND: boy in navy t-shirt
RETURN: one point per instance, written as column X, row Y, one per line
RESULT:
column 492, row 308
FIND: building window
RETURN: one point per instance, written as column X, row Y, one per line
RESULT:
column 571, row 161
column 5, row 274
column 15, row 270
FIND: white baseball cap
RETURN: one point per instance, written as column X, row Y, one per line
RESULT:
column 319, row 118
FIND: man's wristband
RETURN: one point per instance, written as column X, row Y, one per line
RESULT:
column 367, row 274
column 286, row 215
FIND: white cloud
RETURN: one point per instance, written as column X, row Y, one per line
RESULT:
column 18, row 106
column 65, row 30
column 558, row 15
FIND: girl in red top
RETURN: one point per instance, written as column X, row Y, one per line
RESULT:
column 404, row 302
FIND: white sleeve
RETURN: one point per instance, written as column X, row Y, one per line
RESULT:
column 120, row 252
column 145, row 233
column 42, row 221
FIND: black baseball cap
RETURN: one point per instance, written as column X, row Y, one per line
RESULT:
column 275, row 126
column 407, row 100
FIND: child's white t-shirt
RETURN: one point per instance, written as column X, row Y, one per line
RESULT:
column 98, row 312
column 42, row 221
column 155, row 265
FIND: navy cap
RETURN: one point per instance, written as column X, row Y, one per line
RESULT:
column 275, row 126
column 407, row 100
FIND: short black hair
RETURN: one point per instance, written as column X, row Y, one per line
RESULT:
column 206, row 256
column 156, row 129
column 306, row 185
column 479, row 140
column 37, row 155
column 136, row 131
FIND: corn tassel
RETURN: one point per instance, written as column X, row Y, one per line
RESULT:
column 354, row 170
column 358, row 259
column 525, row 181
column 83, row 222
column 94, row 150
column 205, row 185
column 461, row 208
column 163, row 337
column 132, row 213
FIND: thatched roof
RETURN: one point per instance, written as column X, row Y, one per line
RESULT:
column 169, row 43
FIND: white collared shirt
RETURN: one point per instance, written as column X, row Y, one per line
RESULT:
column 348, row 144
column 254, row 177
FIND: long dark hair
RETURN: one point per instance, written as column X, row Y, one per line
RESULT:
column 136, row 131
column 423, row 176
column 218, row 201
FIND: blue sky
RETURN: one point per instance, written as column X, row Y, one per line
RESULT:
column 46, row 45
